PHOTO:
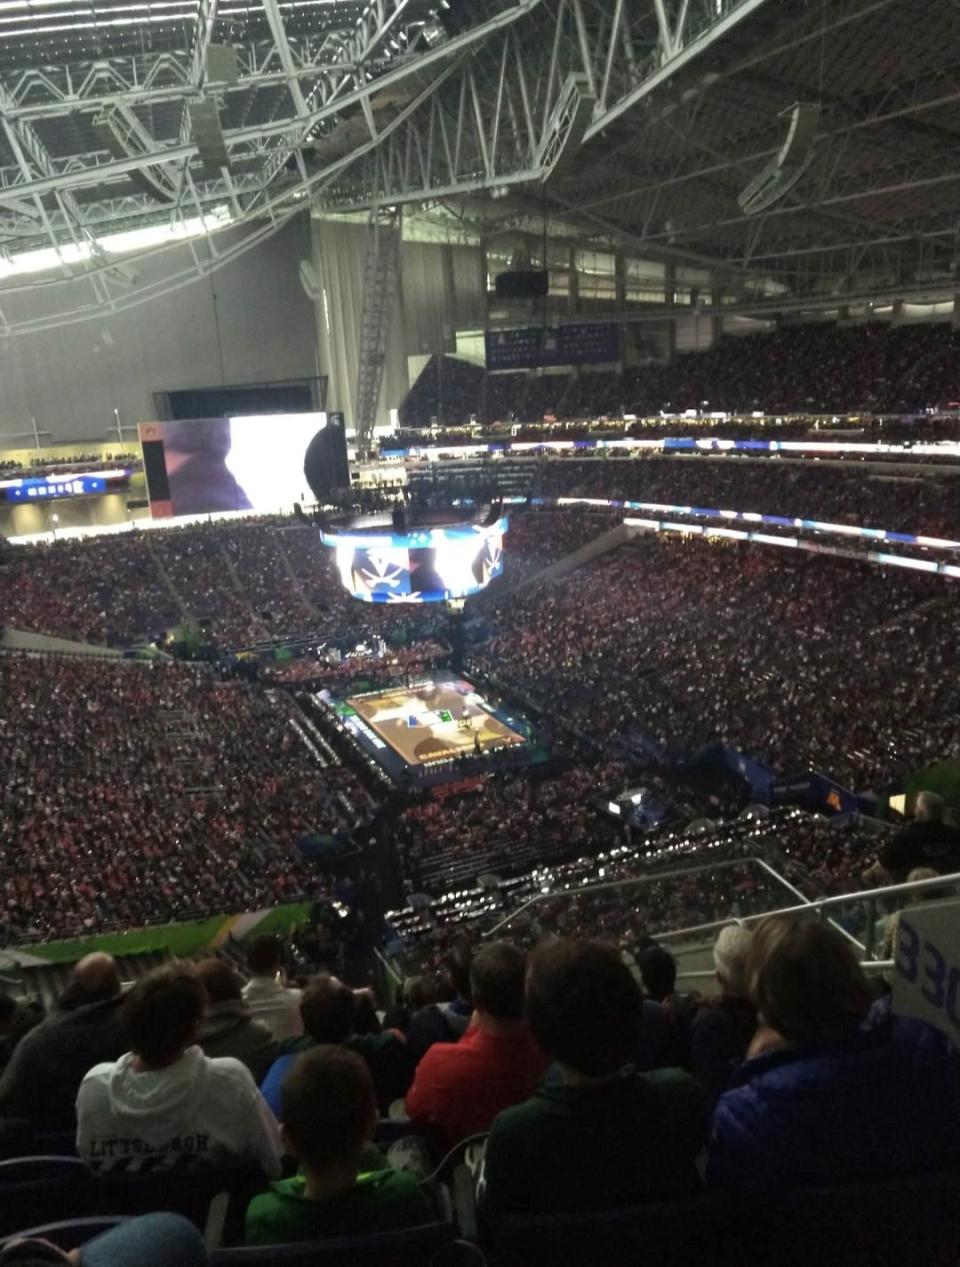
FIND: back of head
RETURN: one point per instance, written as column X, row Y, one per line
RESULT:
column 731, row 952
column 456, row 967
column 329, row 1107
column 161, row 1013
column 805, row 980
column 584, row 1006
column 658, row 970
column 327, row 1008
column 94, row 979
column 264, row 956
column 220, row 983
column 933, row 894
column 419, row 992
column 496, row 980
column 929, row 807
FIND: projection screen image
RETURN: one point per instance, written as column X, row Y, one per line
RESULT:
column 434, row 565
column 217, row 464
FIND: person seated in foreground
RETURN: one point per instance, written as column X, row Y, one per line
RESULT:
column 821, row 1098
column 267, row 1000
column 722, row 1029
column 329, row 1011
column 329, row 1114
column 164, row 1102
column 48, row 1064
column 461, row 1087
column 608, row 1136
column 227, row 1028
column 926, row 841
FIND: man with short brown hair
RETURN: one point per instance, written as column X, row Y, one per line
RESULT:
column 608, row 1135
column 164, row 1103
column 461, row 1087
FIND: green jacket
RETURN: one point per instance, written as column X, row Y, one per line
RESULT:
column 630, row 1140
column 378, row 1202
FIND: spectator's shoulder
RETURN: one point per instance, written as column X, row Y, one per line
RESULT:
column 517, row 1119
column 230, row 1069
column 99, row 1073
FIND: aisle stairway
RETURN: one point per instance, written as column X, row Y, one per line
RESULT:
column 165, row 576
column 234, row 575
column 289, row 569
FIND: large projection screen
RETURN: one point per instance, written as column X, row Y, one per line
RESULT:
column 206, row 465
column 427, row 566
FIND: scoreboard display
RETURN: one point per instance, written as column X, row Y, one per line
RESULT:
column 533, row 347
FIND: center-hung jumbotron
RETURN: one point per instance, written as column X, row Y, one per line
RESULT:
column 422, row 556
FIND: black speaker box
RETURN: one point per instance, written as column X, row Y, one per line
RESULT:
column 523, row 284
column 325, row 463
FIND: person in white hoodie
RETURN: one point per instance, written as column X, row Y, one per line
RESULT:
column 165, row 1103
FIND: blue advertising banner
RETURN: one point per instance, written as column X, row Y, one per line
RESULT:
column 815, row 791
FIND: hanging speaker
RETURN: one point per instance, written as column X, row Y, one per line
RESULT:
column 222, row 64
column 793, row 158
column 325, row 463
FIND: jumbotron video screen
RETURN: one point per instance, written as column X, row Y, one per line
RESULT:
column 421, row 566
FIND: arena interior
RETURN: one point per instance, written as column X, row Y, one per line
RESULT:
column 479, row 632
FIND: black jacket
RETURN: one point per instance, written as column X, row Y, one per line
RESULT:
column 44, row 1074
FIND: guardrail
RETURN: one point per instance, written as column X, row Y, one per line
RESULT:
column 634, row 881
column 823, row 907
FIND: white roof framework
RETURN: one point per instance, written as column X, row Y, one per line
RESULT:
column 640, row 119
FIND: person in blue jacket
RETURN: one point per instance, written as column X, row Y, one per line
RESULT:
column 823, row 1097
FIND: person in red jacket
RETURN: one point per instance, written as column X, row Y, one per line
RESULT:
column 461, row 1087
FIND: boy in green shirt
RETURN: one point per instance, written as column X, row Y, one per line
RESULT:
column 329, row 1119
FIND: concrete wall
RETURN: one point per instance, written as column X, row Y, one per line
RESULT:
column 248, row 322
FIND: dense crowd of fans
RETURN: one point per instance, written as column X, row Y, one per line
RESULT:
column 135, row 793
column 12, row 468
column 793, row 660
column 504, row 824
column 815, row 369
column 829, row 494
column 104, row 590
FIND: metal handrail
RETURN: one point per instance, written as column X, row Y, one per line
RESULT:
column 820, row 904
column 618, row 884
column 868, row 896
column 873, row 967
column 388, row 967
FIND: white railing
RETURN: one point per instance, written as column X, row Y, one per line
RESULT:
column 631, row 882
column 868, row 898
